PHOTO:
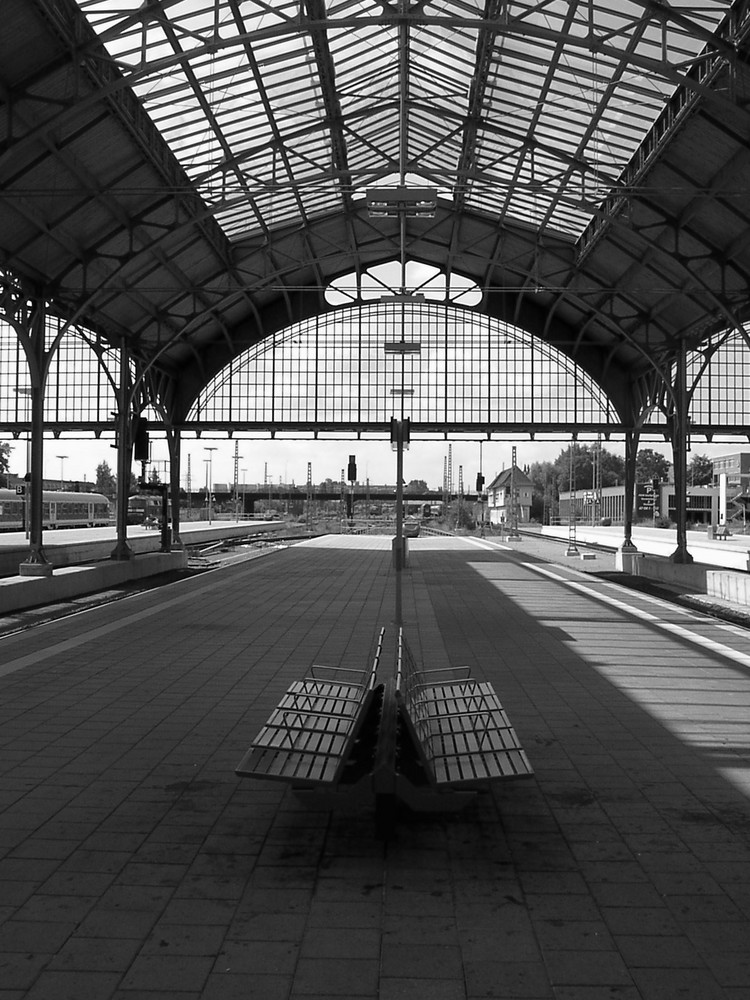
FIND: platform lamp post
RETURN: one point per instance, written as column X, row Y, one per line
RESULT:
column 210, row 485
column 237, row 459
column 401, row 203
column 399, row 441
column 572, row 549
column 62, row 470
column 400, row 433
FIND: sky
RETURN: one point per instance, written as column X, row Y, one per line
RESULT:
column 74, row 459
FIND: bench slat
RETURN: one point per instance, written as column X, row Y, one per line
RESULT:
column 300, row 693
column 301, row 721
column 455, row 736
column 472, row 768
column 302, row 738
column 288, row 765
column 321, row 706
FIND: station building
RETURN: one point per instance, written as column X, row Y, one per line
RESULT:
column 652, row 503
column 736, row 467
column 509, row 494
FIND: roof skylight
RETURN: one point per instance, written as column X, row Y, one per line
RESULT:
column 279, row 117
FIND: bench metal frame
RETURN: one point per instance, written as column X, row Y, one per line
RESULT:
column 309, row 737
column 457, row 725
column 432, row 738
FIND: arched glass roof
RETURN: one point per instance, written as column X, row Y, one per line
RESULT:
column 188, row 177
column 456, row 368
column 525, row 110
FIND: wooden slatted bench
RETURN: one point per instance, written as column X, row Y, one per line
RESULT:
column 309, row 736
column 458, row 727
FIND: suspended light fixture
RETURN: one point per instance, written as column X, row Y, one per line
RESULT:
column 401, row 202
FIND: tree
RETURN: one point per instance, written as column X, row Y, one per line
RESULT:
column 462, row 515
column 416, row 486
column 700, row 471
column 544, row 491
column 650, row 465
column 611, row 467
column 106, row 482
column 549, row 479
column 5, row 449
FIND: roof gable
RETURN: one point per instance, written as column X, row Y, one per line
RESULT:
column 503, row 479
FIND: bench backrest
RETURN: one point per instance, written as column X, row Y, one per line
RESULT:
column 411, row 703
column 376, row 657
column 358, row 677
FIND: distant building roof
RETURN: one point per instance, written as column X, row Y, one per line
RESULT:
column 503, row 479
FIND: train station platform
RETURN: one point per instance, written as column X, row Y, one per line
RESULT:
column 82, row 564
column 134, row 863
column 81, row 561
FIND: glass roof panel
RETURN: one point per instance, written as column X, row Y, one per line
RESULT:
column 518, row 107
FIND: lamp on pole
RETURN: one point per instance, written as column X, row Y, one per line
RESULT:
column 237, row 458
column 62, row 468
column 400, row 434
column 210, row 486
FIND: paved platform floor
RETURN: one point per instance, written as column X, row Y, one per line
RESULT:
column 135, row 864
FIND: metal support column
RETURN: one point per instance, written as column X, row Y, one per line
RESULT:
column 122, row 550
column 36, row 562
column 174, row 443
column 632, row 439
column 680, row 441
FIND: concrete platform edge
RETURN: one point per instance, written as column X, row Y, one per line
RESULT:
column 19, row 592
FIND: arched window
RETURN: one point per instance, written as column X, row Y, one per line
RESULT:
column 470, row 369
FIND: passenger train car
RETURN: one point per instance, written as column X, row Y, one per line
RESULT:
column 60, row 510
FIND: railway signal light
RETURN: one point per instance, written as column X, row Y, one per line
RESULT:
column 400, row 429
column 140, row 439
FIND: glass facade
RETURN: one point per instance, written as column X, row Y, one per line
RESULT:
column 471, row 370
column 81, row 383
column 722, row 393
